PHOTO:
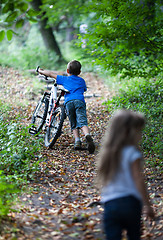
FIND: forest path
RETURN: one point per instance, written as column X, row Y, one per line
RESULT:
column 57, row 205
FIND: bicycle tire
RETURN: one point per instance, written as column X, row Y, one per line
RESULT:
column 40, row 113
column 53, row 132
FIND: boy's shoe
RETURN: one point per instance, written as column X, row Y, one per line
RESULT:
column 90, row 144
column 77, row 145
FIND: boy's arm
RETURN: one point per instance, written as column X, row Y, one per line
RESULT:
column 141, row 186
column 47, row 73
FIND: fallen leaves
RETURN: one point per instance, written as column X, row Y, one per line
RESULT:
column 57, row 205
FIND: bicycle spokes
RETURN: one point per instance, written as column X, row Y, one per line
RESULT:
column 55, row 126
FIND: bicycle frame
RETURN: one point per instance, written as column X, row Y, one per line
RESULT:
column 54, row 102
column 51, row 107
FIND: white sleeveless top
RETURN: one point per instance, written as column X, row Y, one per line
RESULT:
column 123, row 184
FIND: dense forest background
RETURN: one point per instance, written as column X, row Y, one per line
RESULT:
column 121, row 41
column 121, row 36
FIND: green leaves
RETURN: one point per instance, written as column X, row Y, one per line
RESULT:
column 7, row 195
column 12, row 5
column 144, row 96
column 9, row 6
column 9, row 35
column 2, row 35
column 17, row 151
column 32, row 13
column 17, row 157
column 14, row 15
column 19, row 23
column 126, row 37
column 22, row 6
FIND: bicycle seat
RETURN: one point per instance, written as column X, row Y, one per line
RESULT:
column 60, row 87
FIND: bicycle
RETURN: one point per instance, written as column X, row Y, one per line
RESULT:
column 49, row 111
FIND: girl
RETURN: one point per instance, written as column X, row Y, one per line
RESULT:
column 120, row 175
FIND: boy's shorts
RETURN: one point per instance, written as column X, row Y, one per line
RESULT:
column 76, row 111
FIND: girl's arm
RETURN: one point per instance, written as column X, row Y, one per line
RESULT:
column 47, row 73
column 141, row 186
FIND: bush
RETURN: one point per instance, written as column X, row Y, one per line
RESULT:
column 143, row 96
column 18, row 160
column 18, row 151
column 8, row 193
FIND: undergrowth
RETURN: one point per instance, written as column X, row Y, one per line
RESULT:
column 143, row 96
column 18, row 158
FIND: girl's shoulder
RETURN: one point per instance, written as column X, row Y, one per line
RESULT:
column 131, row 152
column 130, row 148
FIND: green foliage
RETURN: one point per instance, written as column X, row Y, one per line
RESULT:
column 25, row 53
column 18, row 159
column 13, row 14
column 123, row 36
column 18, row 149
column 62, row 11
column 8, row 193
column 2, row 35
column 23, row 50
column 126, row 36
column 9, row 34
column 143, row 96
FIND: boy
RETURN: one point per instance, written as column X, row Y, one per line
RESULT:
column 74, row 101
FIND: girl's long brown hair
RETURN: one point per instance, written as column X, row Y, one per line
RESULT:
column 121, row 132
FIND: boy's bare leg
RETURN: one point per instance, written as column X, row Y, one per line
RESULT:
column 76, row 133
column 77, row 145
column 85, row 130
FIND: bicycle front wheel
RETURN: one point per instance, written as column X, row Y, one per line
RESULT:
column 39, row 115
column 54, row 130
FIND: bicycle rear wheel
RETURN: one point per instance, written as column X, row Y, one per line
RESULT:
column 54, row 130
column 39, row 115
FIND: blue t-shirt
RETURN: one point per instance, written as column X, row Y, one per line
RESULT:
column 75, row 85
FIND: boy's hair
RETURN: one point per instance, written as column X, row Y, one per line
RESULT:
column 74, row 67
column 121, row 132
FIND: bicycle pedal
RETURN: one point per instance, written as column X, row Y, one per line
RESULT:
column 33, row 130
column 47, row 122
column 44, row 128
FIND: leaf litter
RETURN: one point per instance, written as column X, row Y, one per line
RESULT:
column 57, row 205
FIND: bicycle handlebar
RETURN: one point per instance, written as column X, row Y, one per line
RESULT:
column 37, row 68
column 47, row 79
column 50, row 80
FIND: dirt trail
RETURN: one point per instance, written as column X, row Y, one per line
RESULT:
column 57, row 206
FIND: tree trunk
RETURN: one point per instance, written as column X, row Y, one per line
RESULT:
column 70, row 29
column 47, row 33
